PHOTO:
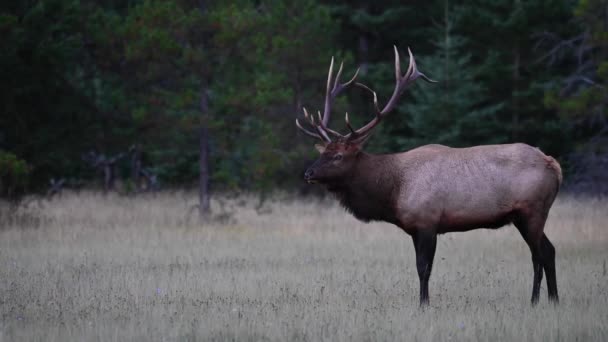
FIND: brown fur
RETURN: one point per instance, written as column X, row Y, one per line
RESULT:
column 553, row 164
column 436, row 189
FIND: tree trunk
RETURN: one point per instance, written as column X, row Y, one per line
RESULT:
column 108, row 177
column 203, row 188
column 446, row 64
column 135, row 167
column 204, row 173
column 364, row 43
column 364, row 52
column 516, row 79
column 515, row 108
column 297, row 93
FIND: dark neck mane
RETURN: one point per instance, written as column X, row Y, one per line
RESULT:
column 368, row 192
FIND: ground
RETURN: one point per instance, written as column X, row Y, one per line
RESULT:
column 89, row 267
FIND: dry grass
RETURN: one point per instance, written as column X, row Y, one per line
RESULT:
column 117, row 268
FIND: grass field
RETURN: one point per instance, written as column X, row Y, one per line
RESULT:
column 89, row 267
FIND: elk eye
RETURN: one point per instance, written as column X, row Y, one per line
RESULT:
column 338, row 157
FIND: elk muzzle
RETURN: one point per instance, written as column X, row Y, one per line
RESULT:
column 309, row 176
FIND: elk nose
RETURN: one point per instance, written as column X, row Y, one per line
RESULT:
column 308, row 174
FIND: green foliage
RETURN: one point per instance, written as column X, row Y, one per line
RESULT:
column 266, row 68
column 454, row 111
column 81, row 75
column 14, row 174
column 580, row 96
column 44, row 114
column 503, row 41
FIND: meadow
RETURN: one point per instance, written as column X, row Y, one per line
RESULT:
column 88, row 267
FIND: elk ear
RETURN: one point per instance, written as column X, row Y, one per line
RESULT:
column 320, row 148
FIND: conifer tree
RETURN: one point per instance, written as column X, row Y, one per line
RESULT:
column 455, row 111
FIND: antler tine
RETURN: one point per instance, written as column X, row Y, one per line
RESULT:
column 308, row 117
column 330, row 75
column 339, row 86
column 333, row 91
column 373, row 93
column 319, row 129
column 337, row 80
column 322, row 134
column 352, row 79
column 352, row 131
column 397, row 65
column 306, row 114
column 327, row 129
column 402, row 82
column 415, row 73
column 328, row 91
column 307, row 132
column 411, row 68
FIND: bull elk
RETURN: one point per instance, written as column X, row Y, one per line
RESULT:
column 435, row 189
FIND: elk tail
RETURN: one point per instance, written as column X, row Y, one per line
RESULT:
column 552, row 164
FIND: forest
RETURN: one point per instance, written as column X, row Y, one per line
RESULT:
column 148, row 94
column 152, row 176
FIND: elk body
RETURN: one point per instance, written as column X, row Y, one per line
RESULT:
column 436, row 189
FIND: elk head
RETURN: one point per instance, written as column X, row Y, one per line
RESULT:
column 338, row 156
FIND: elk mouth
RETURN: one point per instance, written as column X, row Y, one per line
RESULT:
column 309, row 177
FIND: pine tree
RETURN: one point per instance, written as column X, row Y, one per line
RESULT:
column 502, row 40
column 580, row 97
column 454, row 111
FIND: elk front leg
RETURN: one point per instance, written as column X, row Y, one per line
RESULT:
column 424, row 244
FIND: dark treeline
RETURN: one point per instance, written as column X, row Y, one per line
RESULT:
column 93, row 92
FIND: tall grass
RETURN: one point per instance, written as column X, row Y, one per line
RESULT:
column 93, row 267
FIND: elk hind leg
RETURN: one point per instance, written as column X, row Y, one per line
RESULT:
column 548, row 260
column 424, row 245
column 531, row 229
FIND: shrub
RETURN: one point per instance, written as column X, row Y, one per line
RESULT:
column 14, row 174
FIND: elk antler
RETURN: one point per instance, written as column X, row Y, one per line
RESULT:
column 402, row 82
column 334, row 87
